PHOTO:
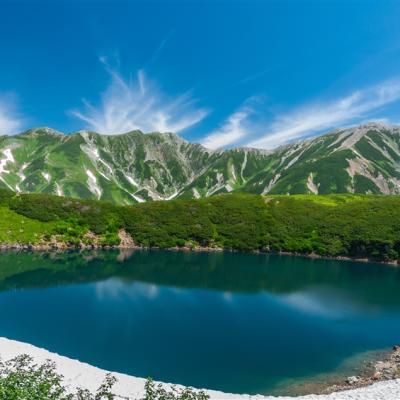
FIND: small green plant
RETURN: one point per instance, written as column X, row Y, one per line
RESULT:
column 22, row 379
column 158, row 392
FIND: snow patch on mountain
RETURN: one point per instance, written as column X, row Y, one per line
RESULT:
column 244, row 163
column 196, row 193
column 91, row 150
column 138, row 198
column 59, row 190
column 92, row 184
column 46, row 176
column 8, row 158
column 218, row 186
column 271, row 183
column 312, row 187
column 233, row 172
column 228, row 188
column 131, row 180
column 172, row 196
column 20, row 173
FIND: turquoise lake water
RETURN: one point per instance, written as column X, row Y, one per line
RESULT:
column 245, row 323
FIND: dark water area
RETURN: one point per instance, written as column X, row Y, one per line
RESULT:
column 245, row 323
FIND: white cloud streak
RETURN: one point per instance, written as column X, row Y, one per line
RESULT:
column 10, row 120
column 311, row 119
column 232, row 131
column 161, row 46
column 139, row 104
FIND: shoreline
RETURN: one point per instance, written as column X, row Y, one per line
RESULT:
column 60, row 247
column 80, row 374
column 383, row 369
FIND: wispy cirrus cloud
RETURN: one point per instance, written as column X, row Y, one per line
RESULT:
column 138, row 104
column 11, row 121
column 311, row 119
column 161, row 46
column 252, row 77
column 230, row 132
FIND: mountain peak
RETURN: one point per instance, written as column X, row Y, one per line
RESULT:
column 373, row 125
column 42, row 131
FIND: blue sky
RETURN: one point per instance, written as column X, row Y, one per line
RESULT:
column 224, row 73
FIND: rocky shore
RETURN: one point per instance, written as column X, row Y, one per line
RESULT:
column 92, row 241
column 383, row 370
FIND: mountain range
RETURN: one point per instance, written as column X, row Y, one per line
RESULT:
column 136, row 167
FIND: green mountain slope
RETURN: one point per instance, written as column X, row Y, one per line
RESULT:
column 135, row 167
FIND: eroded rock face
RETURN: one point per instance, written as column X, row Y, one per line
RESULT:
column 126, row 240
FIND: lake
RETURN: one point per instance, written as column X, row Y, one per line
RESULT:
column 245, row 323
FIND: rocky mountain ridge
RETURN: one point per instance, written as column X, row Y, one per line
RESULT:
column 136, row 167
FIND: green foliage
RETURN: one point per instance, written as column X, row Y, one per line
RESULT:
column 362, row 226
column 22, row 379
column 15, row 228
column 99, row 217
column 158, row 392
column 5, row 196
column 364, row 185
column 232, row 222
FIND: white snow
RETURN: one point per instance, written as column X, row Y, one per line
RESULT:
column 219, row 185
column 3, row 162
column 196, row 193
column 103, row 175
column 243, row 165
column 271, row 183
column 137, row 198
column 312, row 187
column 131, row 180
column 59, row 190
column 8, row 154
column 78, row 374
column 92, row 183
column 93, row 153
column 21, row 172
column 46, row 176
column 172, row 196
column 295, row 159
column 228, row 187
column 233, row 172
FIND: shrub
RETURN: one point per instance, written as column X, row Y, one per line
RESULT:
column 158, row 392
column 22, row 379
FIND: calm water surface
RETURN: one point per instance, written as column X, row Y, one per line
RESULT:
column 229, row 321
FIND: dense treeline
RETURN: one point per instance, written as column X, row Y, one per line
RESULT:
column 334, row 225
